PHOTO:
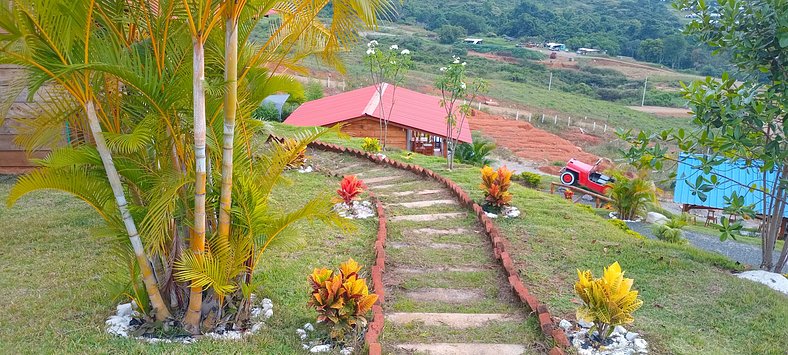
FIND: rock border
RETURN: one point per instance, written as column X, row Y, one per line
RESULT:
column 498, row 240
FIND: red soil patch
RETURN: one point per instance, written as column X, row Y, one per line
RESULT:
column 530, row 143
column 495, row 57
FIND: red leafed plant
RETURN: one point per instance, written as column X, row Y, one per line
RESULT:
column 495, row 185
column 349, row 188
column 341, row 299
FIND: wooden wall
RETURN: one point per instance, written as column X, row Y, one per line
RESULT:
column 370, row 127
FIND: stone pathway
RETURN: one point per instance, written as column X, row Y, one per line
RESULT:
column 445, row 294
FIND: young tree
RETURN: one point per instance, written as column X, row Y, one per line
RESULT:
column 457, row 98
column 387, row 68
column 448, row 34
column 737, row 121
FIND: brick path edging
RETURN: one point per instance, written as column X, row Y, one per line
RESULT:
column 498, row 240
column 376, row 326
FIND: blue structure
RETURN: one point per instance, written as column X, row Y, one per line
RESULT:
column 277, row 100
column 688, row 170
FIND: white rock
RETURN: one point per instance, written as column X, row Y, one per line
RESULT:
column 256, row 327
column 772, row 279
column 124, row 309
column 656, row 218
column 565, row 324
column 631, row 336
column 300, row 332
column 640, row 344
column 620, row 330
column 511, row 212
column 320, row 349
column 268, row 314
column 305, row 346
column 267, row 303
column 309, row 328
column 304, row 170
column 346, row 351
column 585, row 324
column 491, row 215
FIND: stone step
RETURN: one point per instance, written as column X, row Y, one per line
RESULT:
column 453, row 320
column 376, row 180
column 434, row 231
column 422, row 192
column 424, row 270
column 368, row 172
column 427, row 217
column 428, row 203
column 446, row 295
column 347, row 168
column 401, row 245
column 464, row 349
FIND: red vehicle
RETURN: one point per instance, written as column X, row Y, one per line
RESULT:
column 577, row 173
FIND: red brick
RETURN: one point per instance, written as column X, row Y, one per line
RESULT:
column 371, row 337
column 381, row 261
column 375, row 349
column 560, row 338
column 508, row 265
column 542, row 309
column 553, row 351
column 497, row 253
column 514, row 281
column 546, row 323
column 532, row 302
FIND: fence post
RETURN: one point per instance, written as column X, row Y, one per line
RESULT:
column 529, row 116
column 542, row 118
column 594, row 129
column 480, row 105
column 517, row 117
column 555, row 121
column 569, row 121
column 605, row 128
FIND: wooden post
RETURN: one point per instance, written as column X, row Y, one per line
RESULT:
column 569, row 121
column 529, row 116
column 555, row 121
column 517, row 116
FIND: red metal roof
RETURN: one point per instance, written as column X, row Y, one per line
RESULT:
column 411, row 109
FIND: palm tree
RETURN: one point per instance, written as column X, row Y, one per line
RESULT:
column 148, row 101
column 54, row 38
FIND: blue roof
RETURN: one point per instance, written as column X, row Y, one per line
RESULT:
column 730, row 175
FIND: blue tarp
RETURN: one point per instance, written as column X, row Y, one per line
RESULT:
column 737, row 171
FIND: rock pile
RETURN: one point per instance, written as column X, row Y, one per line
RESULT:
column 620, row 342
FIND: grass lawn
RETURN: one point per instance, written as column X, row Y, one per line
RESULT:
column 693, row 305
column 52, row 272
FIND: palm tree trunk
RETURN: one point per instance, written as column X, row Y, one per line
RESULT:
column 192, row 318
column 152, row 287
column 230, row 104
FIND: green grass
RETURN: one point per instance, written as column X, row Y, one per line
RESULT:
column 693, row 305
column 53, row 269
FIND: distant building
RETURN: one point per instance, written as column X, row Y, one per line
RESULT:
column 417, row 123
column 589, row 51
column 555, row 46
column 473, row 40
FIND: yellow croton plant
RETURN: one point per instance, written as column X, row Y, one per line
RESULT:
column 607, row 301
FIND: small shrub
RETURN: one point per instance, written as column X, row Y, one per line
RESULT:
column 619, row 224
column 587, row 208
column 475, row 153
column 634, row 234
column 371, row 145
column 669, row 234
column 608, row 301
column 350, row 188
column 631, row 196
column 313, row 91
column 495, row 185
column 266, row 112
column 530, row 179
column 341, row 298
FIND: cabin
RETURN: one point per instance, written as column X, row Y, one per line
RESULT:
column 589, row 51
column 733, row 177
column 473, row 40
column 416, row 121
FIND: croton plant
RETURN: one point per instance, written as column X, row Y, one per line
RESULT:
column 341, row 299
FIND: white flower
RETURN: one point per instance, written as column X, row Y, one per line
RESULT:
column 370, row 51
column 462, row 85
column 394, row 47
column 405, row 52
column 372, row 43
column 392, row 62
column 456, row 59
column 443, row 68
column 464, row 64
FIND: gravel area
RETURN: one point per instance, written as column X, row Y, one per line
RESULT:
column 743, row 253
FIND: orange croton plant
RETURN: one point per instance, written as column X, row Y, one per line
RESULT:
column 495, row 185
column 341, row 299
